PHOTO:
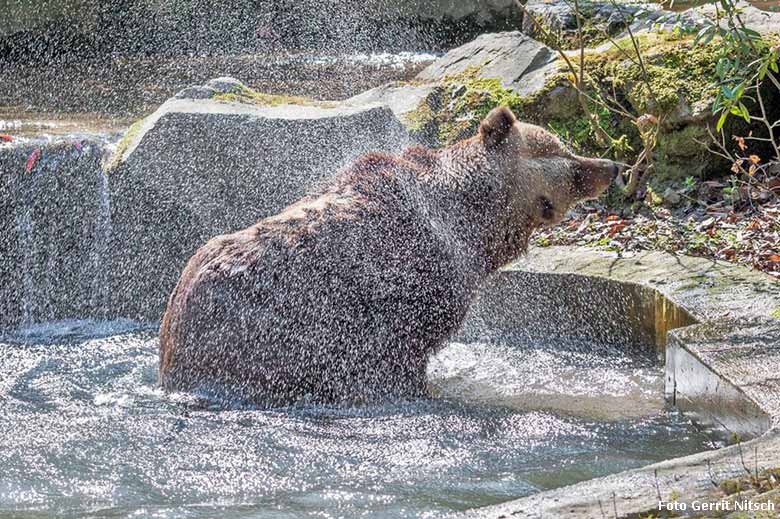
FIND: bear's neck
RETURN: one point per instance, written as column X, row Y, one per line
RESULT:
column 473, row 203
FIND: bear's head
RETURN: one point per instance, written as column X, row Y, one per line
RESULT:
column 544, row 178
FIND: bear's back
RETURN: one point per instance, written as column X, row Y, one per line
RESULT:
column 350, row 279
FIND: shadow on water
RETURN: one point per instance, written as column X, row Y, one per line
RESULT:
column 88, row 434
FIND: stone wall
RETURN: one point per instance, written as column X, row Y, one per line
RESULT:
column 53, row 231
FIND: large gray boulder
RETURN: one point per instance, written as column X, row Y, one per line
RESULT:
column 197, row 168
column 521, row 64
column 519, row 61
column 443, row 103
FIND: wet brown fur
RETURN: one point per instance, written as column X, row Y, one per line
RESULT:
column 345, row 294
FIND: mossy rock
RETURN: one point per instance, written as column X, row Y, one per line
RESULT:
column 244, row 94
column 454, row 109
column 683, row 153
column 123, row 145
column 674, row 83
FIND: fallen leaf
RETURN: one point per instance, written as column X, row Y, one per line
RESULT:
column 5, row 137
column 616, row 228
column 31, row 160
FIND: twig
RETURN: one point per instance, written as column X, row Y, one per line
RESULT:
column 601, row 135
column 741, row 456
column 755, row 460
column 766, row 122
column 635, row 43
column 614, row 504
column 712, row 478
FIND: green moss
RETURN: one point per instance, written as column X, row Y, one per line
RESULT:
column 675, row 71
column 123, row 145
column 675, row 67
column 775, row 313
column 454, row 109
column 250, row 96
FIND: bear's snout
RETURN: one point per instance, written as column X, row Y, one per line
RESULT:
column 597, row 175
column 616, row 169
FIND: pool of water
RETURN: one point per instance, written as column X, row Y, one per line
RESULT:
column 86, row 433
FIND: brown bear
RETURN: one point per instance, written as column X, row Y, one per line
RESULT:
column 344, row 295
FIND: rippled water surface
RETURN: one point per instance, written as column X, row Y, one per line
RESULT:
column 85, row 433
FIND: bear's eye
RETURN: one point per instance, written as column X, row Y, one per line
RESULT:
column 548, row 210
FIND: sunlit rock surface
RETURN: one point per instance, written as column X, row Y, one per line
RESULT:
column 604, row 18
column 724, row 368
column 198, row 168
column 558, row 17
column 762, row 21
column 520, row 62
column 400, row 98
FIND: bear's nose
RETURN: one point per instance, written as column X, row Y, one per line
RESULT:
column 616, row 169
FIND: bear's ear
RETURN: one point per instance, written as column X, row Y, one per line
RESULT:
column 495, row 127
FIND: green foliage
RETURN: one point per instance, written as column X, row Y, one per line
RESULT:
column 745, row 60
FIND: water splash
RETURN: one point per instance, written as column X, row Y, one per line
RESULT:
column 26, row 242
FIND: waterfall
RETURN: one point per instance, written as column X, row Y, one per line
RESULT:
column 102, row 229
